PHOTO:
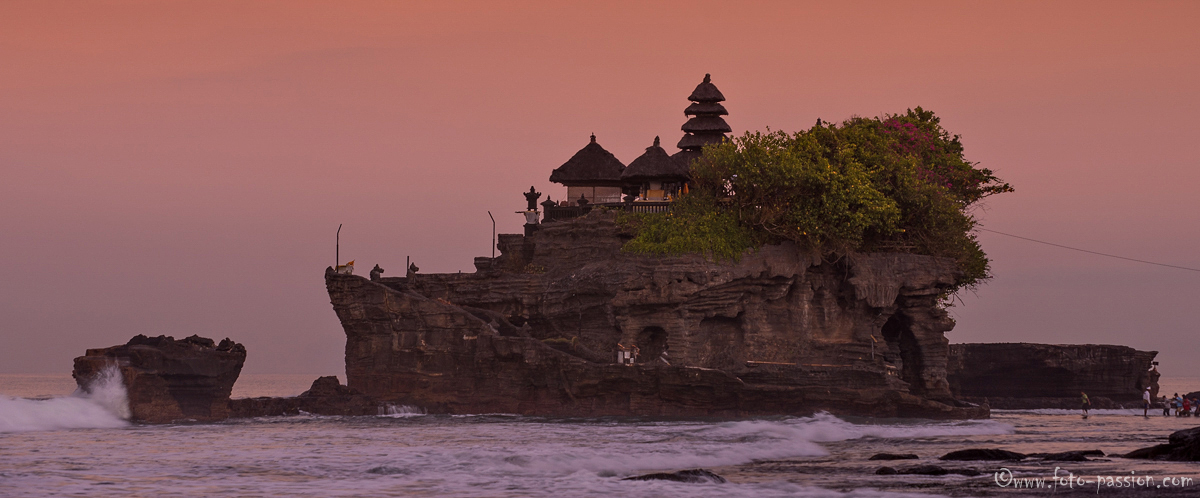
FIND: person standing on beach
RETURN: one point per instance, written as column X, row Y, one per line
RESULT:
column 1086, row 403
column 1146, row 403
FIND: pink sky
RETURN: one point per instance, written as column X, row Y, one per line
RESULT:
column 180, row 167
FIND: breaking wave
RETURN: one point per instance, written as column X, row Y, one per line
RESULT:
column 103, row 405
column 731, row 443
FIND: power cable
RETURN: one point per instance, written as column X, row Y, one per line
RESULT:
column 1089, row 252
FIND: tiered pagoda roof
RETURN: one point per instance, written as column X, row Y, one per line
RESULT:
column 655, row 164
column 706, row 125
column 592, row 166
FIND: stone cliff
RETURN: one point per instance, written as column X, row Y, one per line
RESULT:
column 167, row 379
column 537, row 331
column 1022, row 375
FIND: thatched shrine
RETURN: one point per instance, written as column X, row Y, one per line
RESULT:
column 593, row 173
column 596, row 177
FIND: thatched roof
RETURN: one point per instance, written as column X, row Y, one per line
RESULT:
column 591, row 166
column 685, row 157
column 690, row 141
column 706, row 108
column 701, row 124
column 655, row 164
column 706, row 92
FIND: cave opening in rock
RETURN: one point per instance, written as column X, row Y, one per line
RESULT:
column 904, row 351
column 651, row 342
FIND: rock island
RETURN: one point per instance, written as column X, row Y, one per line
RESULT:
column 567, row 322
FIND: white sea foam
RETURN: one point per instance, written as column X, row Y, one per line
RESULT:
column 623, row 449
column 103, row 405
column 400, row 411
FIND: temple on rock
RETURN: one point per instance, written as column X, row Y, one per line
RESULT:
column 564, row 322
column 594, row 176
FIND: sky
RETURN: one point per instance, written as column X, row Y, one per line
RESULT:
column 181, row 168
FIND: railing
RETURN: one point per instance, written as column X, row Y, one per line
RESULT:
column 555, row 213
column 641, row 207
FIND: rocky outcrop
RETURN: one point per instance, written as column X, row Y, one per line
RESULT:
column 168, row 380
column 1023, row 376
column 982, row 454
column 1181, row 446
column 537, row 331
column 327, row 396
column 925, row 470
column 1068, row 456
column 689, row 476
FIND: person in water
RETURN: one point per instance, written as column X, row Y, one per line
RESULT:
column 1086, row 403
column 1146, row 403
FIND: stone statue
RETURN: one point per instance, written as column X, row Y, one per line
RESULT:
column 531, row 197
column 376, row 272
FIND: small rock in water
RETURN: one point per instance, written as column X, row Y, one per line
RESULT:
column 983, row 454
column 692, row 475
column 1067, row 456
column 925, row 470
column 518, row 460
column 385, row 470
column 894, row 456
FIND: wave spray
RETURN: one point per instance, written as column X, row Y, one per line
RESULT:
column 102, row 403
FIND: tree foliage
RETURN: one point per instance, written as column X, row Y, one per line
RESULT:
column 893, row 183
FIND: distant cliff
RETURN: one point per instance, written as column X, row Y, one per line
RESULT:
column 537, row 331
column 1023, row 375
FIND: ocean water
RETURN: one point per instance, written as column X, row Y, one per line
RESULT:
column 64, row 444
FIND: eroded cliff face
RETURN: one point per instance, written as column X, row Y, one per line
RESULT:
column 1023, row 375
column 167, row 379
column 537, row 331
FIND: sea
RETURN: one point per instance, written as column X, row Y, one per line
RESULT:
column 55, row 442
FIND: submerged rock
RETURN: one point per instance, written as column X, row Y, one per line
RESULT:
column 893, row 456
column 1067, row 456
column 983, row 454
column 327, row 396
column 167, row 379
column 692, row 475
column 385, row 470
column 925, row 470
column 1181, row 446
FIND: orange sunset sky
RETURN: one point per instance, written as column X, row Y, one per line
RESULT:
column 181, row 167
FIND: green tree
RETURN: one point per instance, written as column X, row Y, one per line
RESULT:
column 892, row 183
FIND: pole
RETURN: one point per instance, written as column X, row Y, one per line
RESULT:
column 493, row 234
column 337, row 247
